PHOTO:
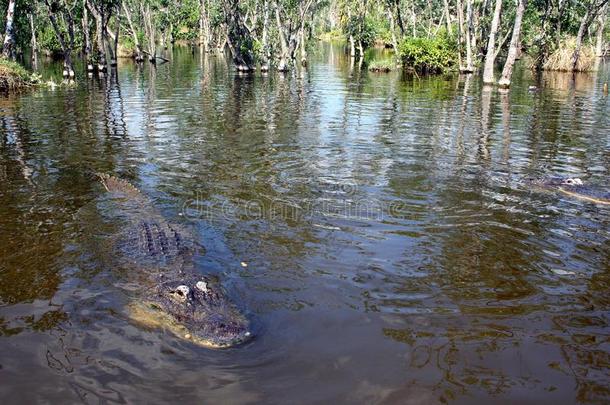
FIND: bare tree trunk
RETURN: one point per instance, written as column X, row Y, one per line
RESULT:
column 469, row 62
column 401, row 24
column 100, row 35
column 581, row 32
column 488, row 71
column 266, row 51
column 33, row 40
column 151, row 33
column 9, row 34
column 204, row 26
column 116, row 36
column 86, row 38
column 238, row 36
column 589, row 16
column 560, row 5
column 507, row 72
column 134, row 34
column 284, row 51
column 302, row 46
column 460, row 36
column 413, row 20
column 108, row 46
column 392, row 29
column 66, row 48
column 447, row 16
column 601, row 25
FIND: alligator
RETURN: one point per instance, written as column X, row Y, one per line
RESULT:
column 190, row 305
column 573, row 187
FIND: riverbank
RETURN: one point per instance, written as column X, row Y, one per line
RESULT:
column 13, row 76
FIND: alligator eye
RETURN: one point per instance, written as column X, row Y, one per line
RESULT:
column 573, row 182
column 182, row 291
column 202, row 286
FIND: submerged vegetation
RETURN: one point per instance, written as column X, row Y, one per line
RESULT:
column 381, row 66
column 428, row 36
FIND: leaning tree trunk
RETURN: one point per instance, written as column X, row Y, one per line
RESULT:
column 393, row 30
column 589, row 16
column 66, row 48
column 284, row 51
column 239, row 38
column 151, row 34
column 581, row 32
column 302, row 46
column 9, row 35
column 601, row 24
column 507, row 72
column 490, row 58
column 107, row 45
column 134, row 33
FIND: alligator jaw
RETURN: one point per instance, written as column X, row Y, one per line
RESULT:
column 149, row 315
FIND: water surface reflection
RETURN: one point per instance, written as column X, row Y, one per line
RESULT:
column 394, row 252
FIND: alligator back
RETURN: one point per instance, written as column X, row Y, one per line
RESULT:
column 155, row 240
column 148, row 237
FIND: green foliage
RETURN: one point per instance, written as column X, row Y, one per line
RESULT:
column 47, row 40
column 332, row 35
column 381, row 28
column 363, row 30
column 434, row 55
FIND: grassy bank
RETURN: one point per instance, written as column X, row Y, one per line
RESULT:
column 561, row 59
column 13, row 76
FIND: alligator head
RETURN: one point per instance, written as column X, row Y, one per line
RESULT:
column 196, row 310
column 573, row 187
column 556, row 182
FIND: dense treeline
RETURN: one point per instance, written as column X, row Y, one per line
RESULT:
column 428, row 35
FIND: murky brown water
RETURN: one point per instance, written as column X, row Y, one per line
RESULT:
column 394, row 253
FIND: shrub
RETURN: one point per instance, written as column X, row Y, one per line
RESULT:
column 427, row 55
